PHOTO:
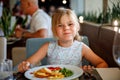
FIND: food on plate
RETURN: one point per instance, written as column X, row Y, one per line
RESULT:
column 53, row 73
column 66, row 72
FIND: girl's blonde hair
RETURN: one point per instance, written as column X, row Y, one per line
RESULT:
column 56, row 17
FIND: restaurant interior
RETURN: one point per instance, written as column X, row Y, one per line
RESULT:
column 99, row 24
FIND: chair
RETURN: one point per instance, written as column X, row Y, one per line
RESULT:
column 18, row 55
column 86, row 41
column 33, row 44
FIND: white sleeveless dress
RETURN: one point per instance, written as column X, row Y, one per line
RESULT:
column 66, row 56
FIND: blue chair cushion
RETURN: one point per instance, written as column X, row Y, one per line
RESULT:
column 33, row 44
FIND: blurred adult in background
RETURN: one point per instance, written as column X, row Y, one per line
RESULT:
column 19, row 16
column 40, row 24
column 16, row 10
column 51, row 10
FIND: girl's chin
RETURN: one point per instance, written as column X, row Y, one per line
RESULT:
column 67, row 39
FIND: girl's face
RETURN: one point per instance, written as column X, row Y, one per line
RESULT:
column 66, row 29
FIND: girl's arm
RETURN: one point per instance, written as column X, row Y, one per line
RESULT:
column 36, row 57
column 39, row 55
column 89, row 55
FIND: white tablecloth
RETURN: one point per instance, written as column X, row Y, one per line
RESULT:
column 109, row 73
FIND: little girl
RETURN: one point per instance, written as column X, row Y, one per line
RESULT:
column 67, row 49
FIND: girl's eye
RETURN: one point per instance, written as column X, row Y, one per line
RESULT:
column 71, row 24
column 60, row 25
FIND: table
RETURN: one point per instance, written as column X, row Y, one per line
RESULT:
column 100, row 73
column 109, row 73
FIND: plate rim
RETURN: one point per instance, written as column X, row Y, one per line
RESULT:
column 39, row 67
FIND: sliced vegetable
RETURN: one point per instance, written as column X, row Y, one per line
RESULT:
column 54, row 68
column 66, row 72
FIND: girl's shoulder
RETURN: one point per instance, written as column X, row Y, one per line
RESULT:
column 78, row 42
column 81, row 43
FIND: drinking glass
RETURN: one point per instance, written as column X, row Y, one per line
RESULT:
column 116, row 46
column 6, row 71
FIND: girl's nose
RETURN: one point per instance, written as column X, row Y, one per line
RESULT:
column 66, row 27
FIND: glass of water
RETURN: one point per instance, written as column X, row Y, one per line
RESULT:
column 6, row 70
column 116, row 46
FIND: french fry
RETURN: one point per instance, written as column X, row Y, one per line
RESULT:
column 47, row 73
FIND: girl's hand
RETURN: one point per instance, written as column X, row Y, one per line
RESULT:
column 22, row 67
column 87, row 67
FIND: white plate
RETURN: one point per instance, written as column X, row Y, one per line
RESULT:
column 12, row 40
column 77, row 71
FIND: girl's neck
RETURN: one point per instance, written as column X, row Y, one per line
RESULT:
column 65, row 43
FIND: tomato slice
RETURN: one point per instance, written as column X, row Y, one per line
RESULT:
column 54, row 68
column 58, row 68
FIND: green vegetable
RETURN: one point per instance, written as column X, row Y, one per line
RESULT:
column 66, row 72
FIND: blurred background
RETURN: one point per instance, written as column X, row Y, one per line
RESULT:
column 97, row 9
column 96, row 20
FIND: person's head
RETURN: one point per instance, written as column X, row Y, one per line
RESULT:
column 29, row 6
column 51, row 10
column 16, row 9
column 65, row 24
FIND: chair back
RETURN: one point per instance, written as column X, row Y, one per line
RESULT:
column 33, row 44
